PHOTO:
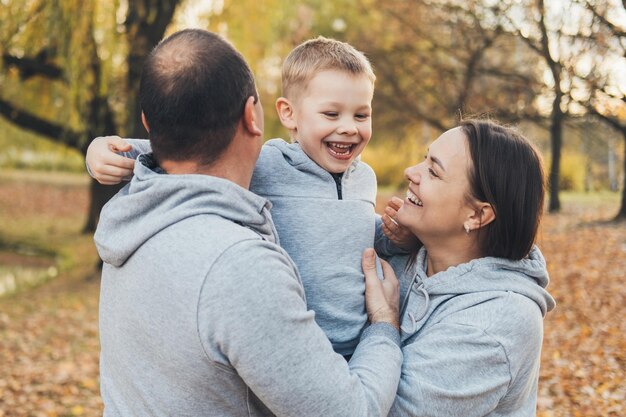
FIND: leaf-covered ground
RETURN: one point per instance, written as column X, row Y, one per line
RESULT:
column 49, row 335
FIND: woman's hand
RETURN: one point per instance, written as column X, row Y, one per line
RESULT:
column 106, row 166
column 399, row 235
column 382, row 294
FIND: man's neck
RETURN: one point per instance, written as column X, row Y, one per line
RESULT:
column 220, row 169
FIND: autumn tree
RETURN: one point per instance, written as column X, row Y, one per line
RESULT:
column 603, row 93
column 68, row 52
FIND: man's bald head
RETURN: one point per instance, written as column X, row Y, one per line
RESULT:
column 193, row 89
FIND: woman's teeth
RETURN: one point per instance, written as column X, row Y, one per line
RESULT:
column 413, row 199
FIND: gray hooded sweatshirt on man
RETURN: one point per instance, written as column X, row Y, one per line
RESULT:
column 202, row 313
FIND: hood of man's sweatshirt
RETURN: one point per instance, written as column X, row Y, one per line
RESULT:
column 527, row 277
column 154, row 200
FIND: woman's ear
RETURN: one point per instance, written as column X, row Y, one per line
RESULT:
column 482, row 215
column 285, row 111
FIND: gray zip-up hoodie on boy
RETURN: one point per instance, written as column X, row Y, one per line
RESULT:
column 324, row 224
column 472, row 337
column 202, row 313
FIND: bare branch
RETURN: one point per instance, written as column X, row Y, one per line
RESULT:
column 36, row 124
column 29, row 67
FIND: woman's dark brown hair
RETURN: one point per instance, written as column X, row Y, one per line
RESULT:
column 506, row 172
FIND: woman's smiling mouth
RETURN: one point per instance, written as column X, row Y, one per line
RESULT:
column 413, row 199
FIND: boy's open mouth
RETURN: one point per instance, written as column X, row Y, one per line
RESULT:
column 340, row 150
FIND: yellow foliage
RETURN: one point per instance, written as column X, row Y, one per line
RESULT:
column 389, row 160
column 573, row 167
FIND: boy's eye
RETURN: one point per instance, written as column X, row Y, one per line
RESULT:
column 362, row 116
column 331, row 114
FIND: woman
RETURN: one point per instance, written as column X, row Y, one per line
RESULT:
column 474, row 295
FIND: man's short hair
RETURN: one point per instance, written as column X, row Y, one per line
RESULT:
column 321, row 54
column 193, row 90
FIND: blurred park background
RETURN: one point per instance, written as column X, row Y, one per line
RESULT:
column 555, row 69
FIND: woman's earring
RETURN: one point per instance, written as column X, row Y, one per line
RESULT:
column 467, row 229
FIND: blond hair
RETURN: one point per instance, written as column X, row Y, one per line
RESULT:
column 320, row 54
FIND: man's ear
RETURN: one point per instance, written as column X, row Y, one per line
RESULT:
column 145, row 122
column 286, row 113
column 250, row 118
column 482, row 215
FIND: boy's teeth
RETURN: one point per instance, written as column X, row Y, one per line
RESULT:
column 339, row 148
column 413, row 199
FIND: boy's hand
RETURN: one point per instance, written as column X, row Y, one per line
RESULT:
column 399, row 235
column 106, row 166
column 382, row 294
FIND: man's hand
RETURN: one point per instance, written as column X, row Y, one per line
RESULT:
column 399, row 235
column 106, row 166
column 382, row 294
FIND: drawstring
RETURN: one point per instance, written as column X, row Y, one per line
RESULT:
column 422, row 313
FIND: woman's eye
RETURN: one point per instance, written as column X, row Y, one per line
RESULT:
column 430, row 170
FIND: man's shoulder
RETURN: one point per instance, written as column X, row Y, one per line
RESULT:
column 212, row 230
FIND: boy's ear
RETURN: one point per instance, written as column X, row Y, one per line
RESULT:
column 250, row 118
column 145, row 122
column 285, row 111
column 482, row 215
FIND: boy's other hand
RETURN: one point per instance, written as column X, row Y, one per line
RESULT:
column 382, row 294
column 399, row 235
column 106, row 166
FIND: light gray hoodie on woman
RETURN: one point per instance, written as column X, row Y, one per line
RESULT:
column 472, row 337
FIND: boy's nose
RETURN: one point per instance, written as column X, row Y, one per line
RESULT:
column 347, row 129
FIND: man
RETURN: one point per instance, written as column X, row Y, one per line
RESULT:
column 201, row 312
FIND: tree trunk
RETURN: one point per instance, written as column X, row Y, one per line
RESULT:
column 556, row 140
column 146, row 23
column 621, row 214
column 98, row 196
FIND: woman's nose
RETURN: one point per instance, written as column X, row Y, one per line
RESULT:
column 412, row 174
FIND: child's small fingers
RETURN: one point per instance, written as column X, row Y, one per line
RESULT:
column 108, row 179
column 116, row 171
column 390, row 225
column 389, row 233
column 390, row 222
column 390, row 211
column 386, row 221
column 117, row 144
column 122, row 162
column 396, row 203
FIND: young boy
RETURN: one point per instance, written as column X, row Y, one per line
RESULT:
column 322, row 195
